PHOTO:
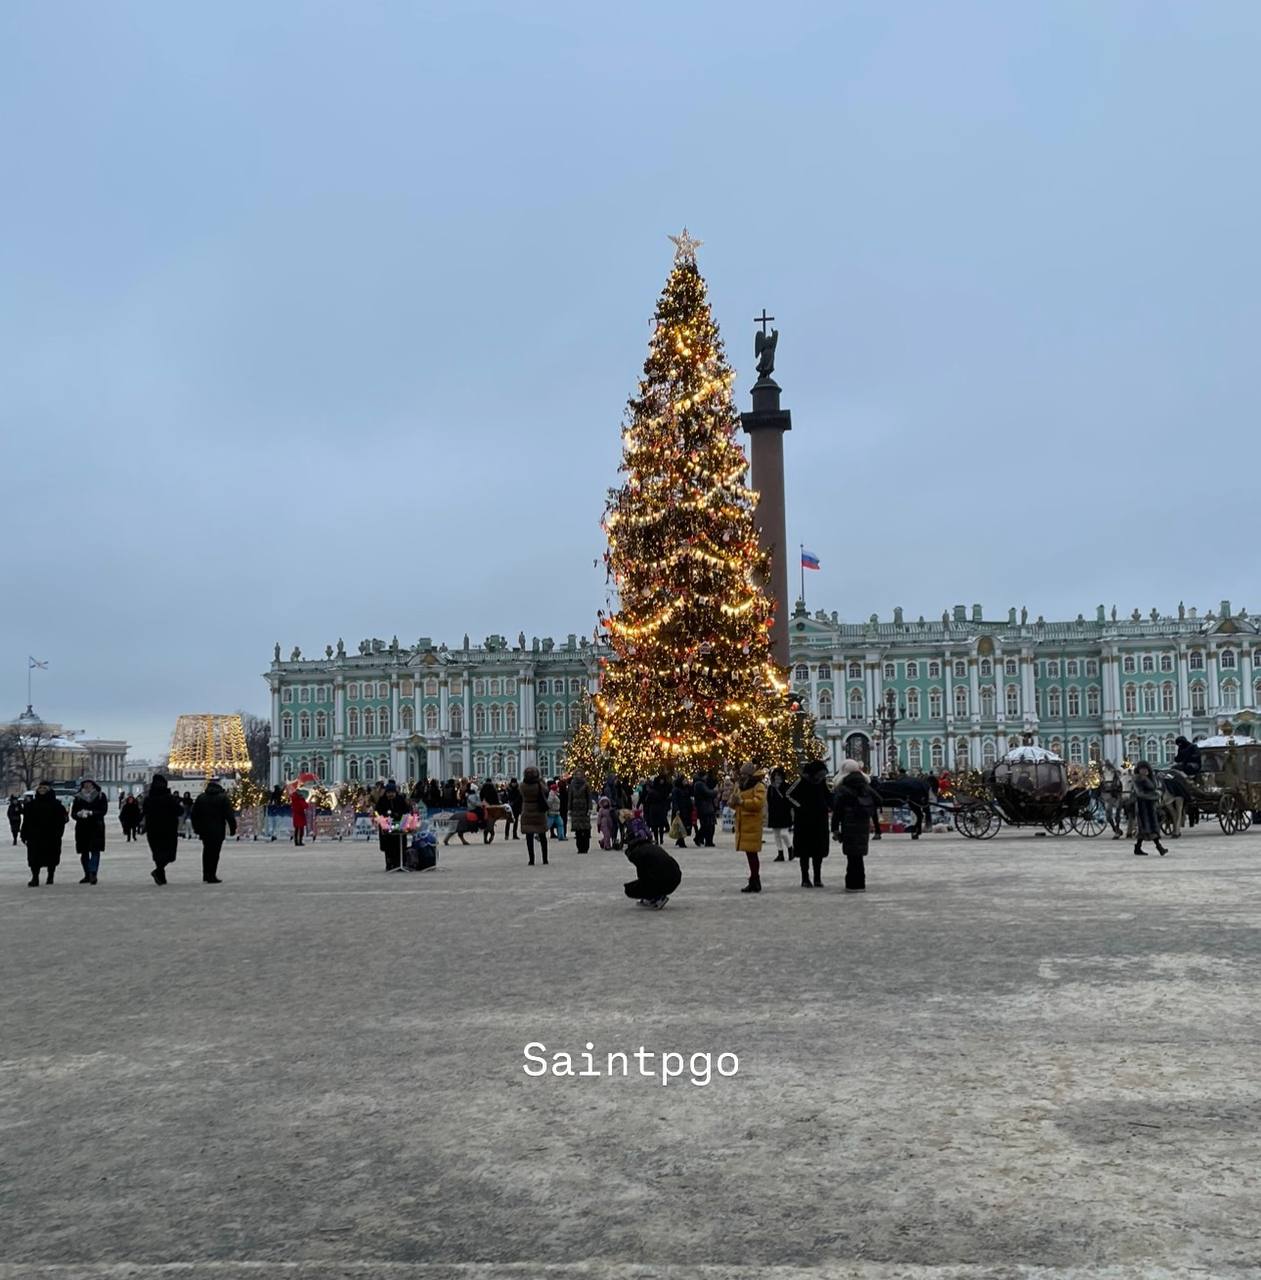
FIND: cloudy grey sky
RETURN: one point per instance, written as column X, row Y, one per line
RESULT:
column 318, row 319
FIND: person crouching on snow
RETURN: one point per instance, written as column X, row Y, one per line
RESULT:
column 657, row 873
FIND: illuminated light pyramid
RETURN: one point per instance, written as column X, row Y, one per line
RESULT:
column 209, row 745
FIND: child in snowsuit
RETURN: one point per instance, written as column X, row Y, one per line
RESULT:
column 606, row 822
column 657, row 873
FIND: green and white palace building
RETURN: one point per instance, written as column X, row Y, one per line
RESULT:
column 963, row 688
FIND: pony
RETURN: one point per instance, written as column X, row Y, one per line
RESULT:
column 480, row 817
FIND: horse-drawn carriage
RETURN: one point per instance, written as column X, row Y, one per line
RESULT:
column 1029, row 787
column 1228, row 788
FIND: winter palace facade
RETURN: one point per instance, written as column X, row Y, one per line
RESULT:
column 962, row 688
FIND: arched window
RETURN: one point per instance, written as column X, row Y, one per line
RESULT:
column 431, row 719
column 989, row 753
column 1166, row 662
column 384, row 766
column 1195, row 660
column 383, row 690
column 1149, row 664
column 286, row 725
column 1011, row 667
column 912, row 704
column 936, row 754
column 575, row 715
column 321, row 768
column 497, row 762
column 1230, row 695
column 408, row 716
column 455, row 763
column 825, row 705
column 825, row 671
column 352, row 722
column 914, row 756
column 496, row 719
column 304, row 726
column 1152, row 750
column 961, row 754
column 1096, row 751
column 1130, row 697
column 1012, row 700
column 383, row 721
column 479, row 763
column 544, row 718
column 802, row 673
column 987, row 667
column 1074, row 703
column 961, row 701
column 304, row 765
column 1149, row 699
column 479, row 725
column 1133, row 748
column 369, row 723
column 934, row 704
column 1054, row 704
column 1166, row 697
column 1076, row 751
column 431, row 688
column 558, row 718
column 1056, row 746
column 855, row 671
column 1092, row 700
column 856, row 704
column 352, row 768
column 1170, row 748
column 987, row 702
column 1197, row 699
column 352, row 691
column 510, row 764
column 1127, row 664
column 456, row 711
column 545, row 763
column 961, row 670
column 496, row 687
column 890, row 671
column 321, row 724
column 510, row 717
column 912, row 670
column 1226, row 659
column 1073, row 667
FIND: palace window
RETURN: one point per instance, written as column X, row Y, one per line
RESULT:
column 497, row 764
column 558, row 717
column 1197, row 699
column 383, row 719
column 1054, row 704
column 510, row 764
column 1056, row 747
column 1149, row 699
column 496, row 720
column 384, row 766
column 1074, row 704
column 802, row 673
column 936, row 754
column 935, row 711
column 1130, row 696
column 1076, row 751
column 1127, row 664
column 510, row 718
column 456, row 711
column 495, row 686
column 479, row 691
column 304, row 695
column 544, row 718
column 1149, row 664
column 825, row 671
column 934, row 670
column 286, row 725
column 1226, row 659
column 1170, row 748
column 825, row 705
column 1096, row 751
column 383, row 690
column 961, row 670
column 510, row 684
column 989, row 754
column 1166, row 697
column 352, row 691
column 912, row 670
column 456, row 686
column 914, row 756
column 1053, row 669
column 304, row 725
column 890, row 671
column 961, row 701
column 542, row 686
column 1256, row 693
column 1012, row 700
column 1230, row 695
column 961, row 754
column 431, row 688
column 1133, row 748
column 321, row 725
column 987, row 667
column 575, row 715
column 408, row 688
column 352, row 722
column 352, row 768
column 286, row 694
column 1011, row 667
column 1256, row 657
column 912, row 704
column 479, row 720
column 1092, row 700
column 1195, row 660
column 1152, row 749
column 1073, row 667
column 369, row 723
column 1166, row 662
column 855, row 671
column 409, row 719
column 479, row 763
column 857, row 707
column 575, row 685
column 431, row 719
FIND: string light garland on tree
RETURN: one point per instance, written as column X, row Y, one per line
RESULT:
column 582, row 751
column 691, row 682
column 209, row 744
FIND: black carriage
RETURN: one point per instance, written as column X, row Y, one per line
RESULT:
column 1029, row 787
column 1228, row 788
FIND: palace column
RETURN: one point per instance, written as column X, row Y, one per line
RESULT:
column 468, row 722
column 274, row 741
column 1214, row 684
column 339, row 729
column 766, row 425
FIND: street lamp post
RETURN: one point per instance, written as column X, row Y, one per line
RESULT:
column 883, row 724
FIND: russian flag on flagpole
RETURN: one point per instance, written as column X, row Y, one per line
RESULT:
column 808, row 559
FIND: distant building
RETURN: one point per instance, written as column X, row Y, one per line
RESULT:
column 36, row 750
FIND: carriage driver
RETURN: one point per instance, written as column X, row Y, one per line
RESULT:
column 1188, row 761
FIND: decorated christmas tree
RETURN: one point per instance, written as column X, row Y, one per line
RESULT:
column 691, row 681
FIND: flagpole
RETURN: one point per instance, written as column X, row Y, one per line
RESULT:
column 803, row 575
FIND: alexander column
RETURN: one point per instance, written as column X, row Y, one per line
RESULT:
column 766, row 426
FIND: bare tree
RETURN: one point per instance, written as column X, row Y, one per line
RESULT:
column 8, row 756
column 31, row 751
column 258, row 744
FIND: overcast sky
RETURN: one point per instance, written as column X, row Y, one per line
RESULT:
column 318, row 320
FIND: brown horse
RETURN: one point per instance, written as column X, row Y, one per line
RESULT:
column 484, row 821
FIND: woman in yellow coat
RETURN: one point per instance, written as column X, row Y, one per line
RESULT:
column 749, row 802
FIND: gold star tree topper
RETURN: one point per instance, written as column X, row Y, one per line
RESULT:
column 685, row 246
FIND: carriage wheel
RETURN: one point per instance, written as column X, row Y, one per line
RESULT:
column 1246, row 815
column 976, row 821
column 1090, row 822
column 1165, row 821
column 1230, row 814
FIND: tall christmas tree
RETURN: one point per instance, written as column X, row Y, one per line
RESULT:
column 691, row 682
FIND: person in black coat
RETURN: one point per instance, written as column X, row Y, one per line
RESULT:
column 394, row 805
column 44, row 820
column 657, row 875
column 514, row 804
column 681, row 808
column 1188, row 760
column 162, row 813
column 706, row 798
column 853, row 808
column 433, row 796
column 811, row 803
column 87, row 811
column 657, row 805
column 779, row 816
column 449, row 799
column 15, row 817
column 1147, row 802
column 213, row 820
column 129, row 817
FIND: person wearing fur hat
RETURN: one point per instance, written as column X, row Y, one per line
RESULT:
column 87, row 811
column 812, row 803
column 657, row 875
column 749, row 801
column 392, row 804
column 853, row 808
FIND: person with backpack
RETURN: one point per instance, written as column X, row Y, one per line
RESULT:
column 213, row 820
